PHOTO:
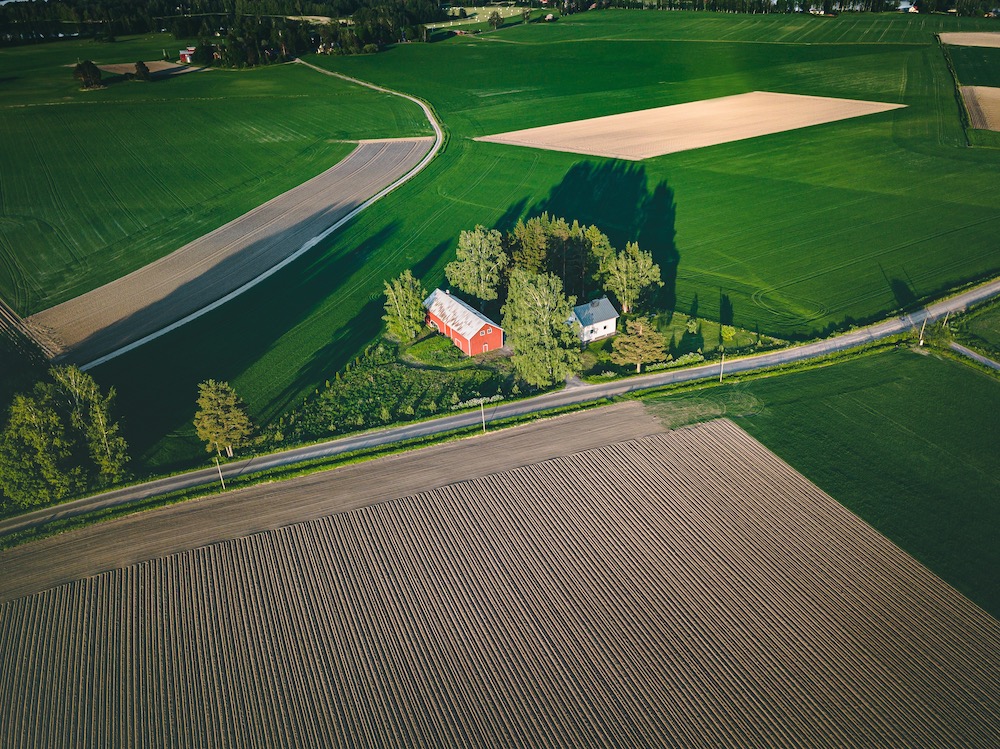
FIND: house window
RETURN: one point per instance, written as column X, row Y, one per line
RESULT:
column 482, row 332
column 489, row 330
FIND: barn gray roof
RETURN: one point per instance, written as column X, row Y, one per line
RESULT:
column 597, row 311
column 458, row 315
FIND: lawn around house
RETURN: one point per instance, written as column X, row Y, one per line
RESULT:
column 908, row 441
column 800, row 231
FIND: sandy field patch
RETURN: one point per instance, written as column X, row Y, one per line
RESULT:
column 209, row 268
column 679, row 589
column 983, row 106
column 634, row 136
column 155, row 66
column 971, row 38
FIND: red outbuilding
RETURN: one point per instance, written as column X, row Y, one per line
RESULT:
column 468, row 329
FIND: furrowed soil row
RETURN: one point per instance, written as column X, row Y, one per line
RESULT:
column 679, row 589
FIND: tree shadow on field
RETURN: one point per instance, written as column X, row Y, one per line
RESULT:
column 157, row 383
column 615, row 196
column 902, row 290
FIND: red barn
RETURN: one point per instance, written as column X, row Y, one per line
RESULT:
column 468, row 329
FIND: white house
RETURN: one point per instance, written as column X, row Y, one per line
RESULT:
column 598, row 319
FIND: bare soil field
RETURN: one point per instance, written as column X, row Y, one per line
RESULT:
column 682, row 589
column 634, row 136
column 971, row 38
column 156, row 67
column 983, row 105
column 60, row 559
column 222, row 261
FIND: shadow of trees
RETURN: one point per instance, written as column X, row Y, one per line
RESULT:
column 617, row 198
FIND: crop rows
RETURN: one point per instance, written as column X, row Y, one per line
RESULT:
column 684, row 589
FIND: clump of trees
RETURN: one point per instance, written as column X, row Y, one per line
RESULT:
column 404, row 307
column 60, row 439
column 88, row 74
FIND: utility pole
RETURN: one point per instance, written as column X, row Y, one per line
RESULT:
column 482, row 410
column 722, row 365
column 922, row 331
column 219, row 467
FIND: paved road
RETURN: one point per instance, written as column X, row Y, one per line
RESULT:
column 568, row 396
column 974, row 355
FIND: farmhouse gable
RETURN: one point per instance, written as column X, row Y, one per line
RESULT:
column 468, row 329
column 598, row 319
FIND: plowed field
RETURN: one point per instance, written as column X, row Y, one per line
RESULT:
column 681, row 127
column 684, row 589
column 983, row 105
column 222, row 261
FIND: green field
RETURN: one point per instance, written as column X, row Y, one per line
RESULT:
column 94, row 184
column 802, row 231
column 976, row 66
column 908, row 442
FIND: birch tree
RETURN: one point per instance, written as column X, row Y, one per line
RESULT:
column 628, row 273
column 479, row 264
column 535, row 318
column 404, row 307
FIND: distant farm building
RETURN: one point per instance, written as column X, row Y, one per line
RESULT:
column 598, row 319
column 468, row 329
column 186, row 55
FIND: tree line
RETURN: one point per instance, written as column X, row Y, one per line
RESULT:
column 371, row 21
column 536, row 268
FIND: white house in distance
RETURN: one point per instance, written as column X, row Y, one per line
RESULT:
column 598, row 319
column 468, row 329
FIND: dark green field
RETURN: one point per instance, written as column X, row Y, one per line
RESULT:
column 802, row 231
column 976, row 66
column 94, row 184
column 908, row 442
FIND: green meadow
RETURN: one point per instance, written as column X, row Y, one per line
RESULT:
column 94, row 184
column 801, row 232
column 976, row 66
column 908, row 442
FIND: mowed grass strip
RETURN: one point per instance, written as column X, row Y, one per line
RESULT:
column 682, row 589
column 908, row 442
column 96, row 184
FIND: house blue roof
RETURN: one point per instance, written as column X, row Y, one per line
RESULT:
column 597, row 311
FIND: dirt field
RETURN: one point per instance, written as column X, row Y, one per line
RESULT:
column 654, row 132
column 682, row 589
column 98, row 548
column 207, row 269
column 972, row 38
column 156, row 67
column 983, row 105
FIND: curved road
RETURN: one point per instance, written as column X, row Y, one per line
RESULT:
column 568, row 396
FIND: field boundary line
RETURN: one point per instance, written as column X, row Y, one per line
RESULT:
column 309, row 244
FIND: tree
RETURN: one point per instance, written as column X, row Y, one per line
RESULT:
column 640, row 344
column 60, row 440
column 526, row 14
column 627, row 273
column 495, row 20
column 90, row 415
column 404, row 307
column 546, row 346
column 221, row 420
column 88, row 74
column 36, row 456
column 480, row 261
column 141, row 71
column 529, row 243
